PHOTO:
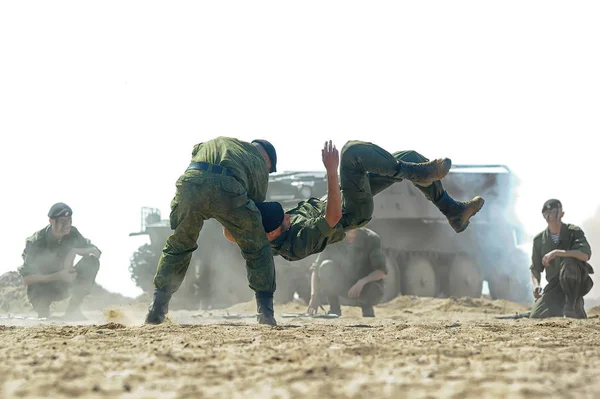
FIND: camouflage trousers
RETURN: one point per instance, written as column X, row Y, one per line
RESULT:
column 200, row 196
column 42, row 295
column 565, row 291
column 366, row 170
column 335, row 281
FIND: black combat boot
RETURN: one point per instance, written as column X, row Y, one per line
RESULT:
column 159, row 307
column 264, row 308
column 458, row 213
column 368, row 311
column 334, row 305
column 424, row 173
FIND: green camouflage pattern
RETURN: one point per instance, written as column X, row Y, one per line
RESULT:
column 202, row 195
column 241, row 158
column 365, row 170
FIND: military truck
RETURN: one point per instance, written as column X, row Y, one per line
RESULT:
column 425, row 257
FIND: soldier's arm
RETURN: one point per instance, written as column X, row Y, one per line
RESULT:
column 536, row 266
column 44, row 278
column 331, row 160
column 580, row 247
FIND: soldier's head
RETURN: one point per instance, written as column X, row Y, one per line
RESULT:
column 274, row 220
column 552, row 211
column 268, row 153
column 60, row 219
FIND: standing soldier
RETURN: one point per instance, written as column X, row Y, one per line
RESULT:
column 224, row 180
column 48, row 270
column 353, row 268
column 563, row 251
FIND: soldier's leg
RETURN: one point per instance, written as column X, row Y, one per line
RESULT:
column 551, row 302
column 572, row 278
column 333, row 283
column 243, row 220
column 458, row 213
column 86, row 269
column 186, row 220
column 41, row 296
column 371, row 295
column 361, row 161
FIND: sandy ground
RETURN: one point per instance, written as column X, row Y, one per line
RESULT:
column 414, row 348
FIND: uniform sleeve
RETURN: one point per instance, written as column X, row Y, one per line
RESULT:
column 28, row 267
column 81, row 242
column 579, row 242
column 376, row 256
column 536, row 260
column 258, row 189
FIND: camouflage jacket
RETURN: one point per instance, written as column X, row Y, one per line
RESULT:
column 43, row 254
column 309, row 232
column 571, row 238
column 240, row 157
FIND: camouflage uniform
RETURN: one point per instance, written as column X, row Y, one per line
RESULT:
column 237, row 177
column 44, row 254
column 341, row 265
column 365, row 170
column 568, row 278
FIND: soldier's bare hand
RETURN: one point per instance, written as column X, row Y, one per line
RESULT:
column 331, row 157
column 356, row 289
column 313, row 305
column 537, row 292
column 549, row 257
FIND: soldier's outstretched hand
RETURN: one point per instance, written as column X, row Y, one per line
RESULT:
column 331, row 157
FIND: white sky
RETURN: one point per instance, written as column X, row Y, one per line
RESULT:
column 101, row 103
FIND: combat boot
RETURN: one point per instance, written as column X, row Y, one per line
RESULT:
column 264, row 308
column 159, row 307
column 368, row 311
column 458, row 213
column 334, row 305
column 424, row 173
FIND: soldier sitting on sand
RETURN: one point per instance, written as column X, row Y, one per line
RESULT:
column 563, row 251
column 48, row 270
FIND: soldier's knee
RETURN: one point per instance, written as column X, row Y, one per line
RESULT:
column 372, row 293
column 570, row 269
column 351, row 149
column 413, row 156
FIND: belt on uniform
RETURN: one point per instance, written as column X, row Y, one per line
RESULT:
column 209, row 167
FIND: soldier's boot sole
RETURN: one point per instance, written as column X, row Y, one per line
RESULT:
column 459, row 219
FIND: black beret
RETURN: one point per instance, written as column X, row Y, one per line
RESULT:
column 272, row 215
column 551, row 204
column 270, row 150
column 59, row 209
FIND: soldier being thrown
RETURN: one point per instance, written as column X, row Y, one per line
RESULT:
column 48, row 270
column 366, row 170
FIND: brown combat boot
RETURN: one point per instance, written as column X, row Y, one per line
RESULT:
column 458, row 213
column 424, row 173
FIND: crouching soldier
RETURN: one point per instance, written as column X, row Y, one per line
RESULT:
column 563, row 251
column 48, row 270
column 354, row 269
